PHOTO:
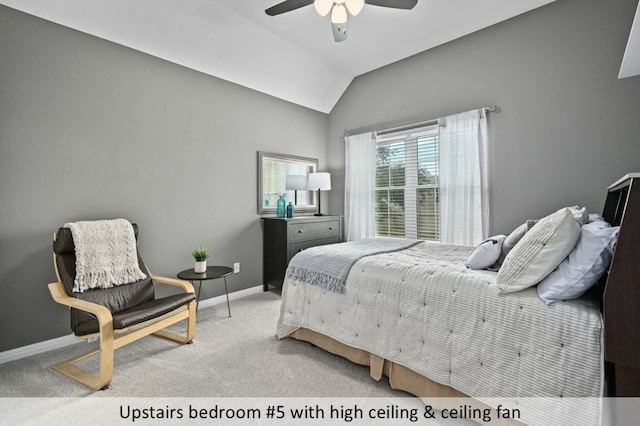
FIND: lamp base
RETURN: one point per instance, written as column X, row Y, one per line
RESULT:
column 319, row 214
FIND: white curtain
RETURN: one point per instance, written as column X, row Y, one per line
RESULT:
column 464, row 188
column 359, row 194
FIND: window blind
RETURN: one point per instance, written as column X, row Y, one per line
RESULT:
column 407, row 184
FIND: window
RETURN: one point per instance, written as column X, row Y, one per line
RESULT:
column 429, row 183
column 407, row 184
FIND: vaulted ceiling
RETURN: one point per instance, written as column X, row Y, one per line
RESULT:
column 291, row 56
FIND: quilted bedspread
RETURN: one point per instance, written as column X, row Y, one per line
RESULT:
column 423, row 309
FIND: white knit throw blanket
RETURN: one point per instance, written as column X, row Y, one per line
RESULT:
column 106, row 254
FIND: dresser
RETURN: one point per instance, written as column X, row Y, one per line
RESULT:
column 283, row 238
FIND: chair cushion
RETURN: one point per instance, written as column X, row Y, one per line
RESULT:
column 140, row 313
column 116, row 299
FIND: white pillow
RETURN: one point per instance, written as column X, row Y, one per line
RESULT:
column 539, row 252
column 584, row 266
column 486, row 254
column 581, row 214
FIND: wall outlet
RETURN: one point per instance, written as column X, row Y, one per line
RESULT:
column 236, row 267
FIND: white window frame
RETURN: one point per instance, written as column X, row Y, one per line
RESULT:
column 411, row 186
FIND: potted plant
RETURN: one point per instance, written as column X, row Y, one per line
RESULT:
column 200, row 255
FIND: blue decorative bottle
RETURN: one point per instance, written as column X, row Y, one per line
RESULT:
column 289, row 210
column 281, row 207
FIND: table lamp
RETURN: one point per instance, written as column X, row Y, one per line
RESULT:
column 296, row 183
column 320, row 181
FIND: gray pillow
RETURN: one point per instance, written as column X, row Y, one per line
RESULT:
column 511, row 240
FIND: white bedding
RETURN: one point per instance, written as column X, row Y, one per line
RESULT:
column 422, row 308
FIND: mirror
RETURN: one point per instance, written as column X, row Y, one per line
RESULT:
column 280, row 174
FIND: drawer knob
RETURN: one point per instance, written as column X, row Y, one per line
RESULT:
column 299, row 231
column 331, row 228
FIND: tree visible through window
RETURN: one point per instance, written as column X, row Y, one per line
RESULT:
column 407, row 185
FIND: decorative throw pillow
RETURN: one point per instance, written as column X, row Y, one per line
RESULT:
column 486, row 253
column 512, row 239
column 585, row 265
column 530, row 223
column 539, row 252
column 581, row 214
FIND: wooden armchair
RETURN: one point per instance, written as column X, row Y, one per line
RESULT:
column 118, row 315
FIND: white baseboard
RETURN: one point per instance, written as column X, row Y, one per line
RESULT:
column 61, row 342
column 232, row 296
column 37, row 348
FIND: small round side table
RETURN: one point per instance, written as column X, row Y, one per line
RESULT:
column 212, row 273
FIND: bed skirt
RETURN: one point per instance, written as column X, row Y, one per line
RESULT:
column 399, row 376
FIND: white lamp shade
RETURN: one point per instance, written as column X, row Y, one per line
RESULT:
column 296, row 182
column 320, row 180
column 323, row 6
column 354, row 6
column 339, row 14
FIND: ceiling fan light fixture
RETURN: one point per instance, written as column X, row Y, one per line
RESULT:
column 339, row 14
column 340, row 10
column 339, row 32
column 354, row 6
column 323, row 7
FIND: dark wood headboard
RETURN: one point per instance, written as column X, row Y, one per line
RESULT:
column 621, row 300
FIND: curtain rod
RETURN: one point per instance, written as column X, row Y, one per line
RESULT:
column 489, row 108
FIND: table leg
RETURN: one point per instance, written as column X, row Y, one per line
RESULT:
column 198, row 296
column 227, row 293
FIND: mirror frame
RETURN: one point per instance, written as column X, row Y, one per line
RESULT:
column 309, row 162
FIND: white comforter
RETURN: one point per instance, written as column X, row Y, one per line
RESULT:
column 422, row 308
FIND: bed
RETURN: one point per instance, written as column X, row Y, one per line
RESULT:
column 436, row 328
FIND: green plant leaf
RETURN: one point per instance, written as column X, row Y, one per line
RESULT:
column 200, row 254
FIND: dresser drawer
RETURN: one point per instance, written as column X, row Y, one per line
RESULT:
column 295, row 248
column 314, row 230
column 285, row 237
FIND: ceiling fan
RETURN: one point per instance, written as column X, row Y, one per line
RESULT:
column 338, row 9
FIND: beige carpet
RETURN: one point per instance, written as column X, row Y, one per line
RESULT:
column 236, row 363
column 230, row 357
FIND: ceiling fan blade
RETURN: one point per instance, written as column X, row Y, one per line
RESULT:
column 395, row 4
column 339, row 31
column 287, row 6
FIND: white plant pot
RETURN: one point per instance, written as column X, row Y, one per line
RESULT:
column 200, row 267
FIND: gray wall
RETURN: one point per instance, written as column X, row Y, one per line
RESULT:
column 93, row 130
column 568, row 127
column 89, row 129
